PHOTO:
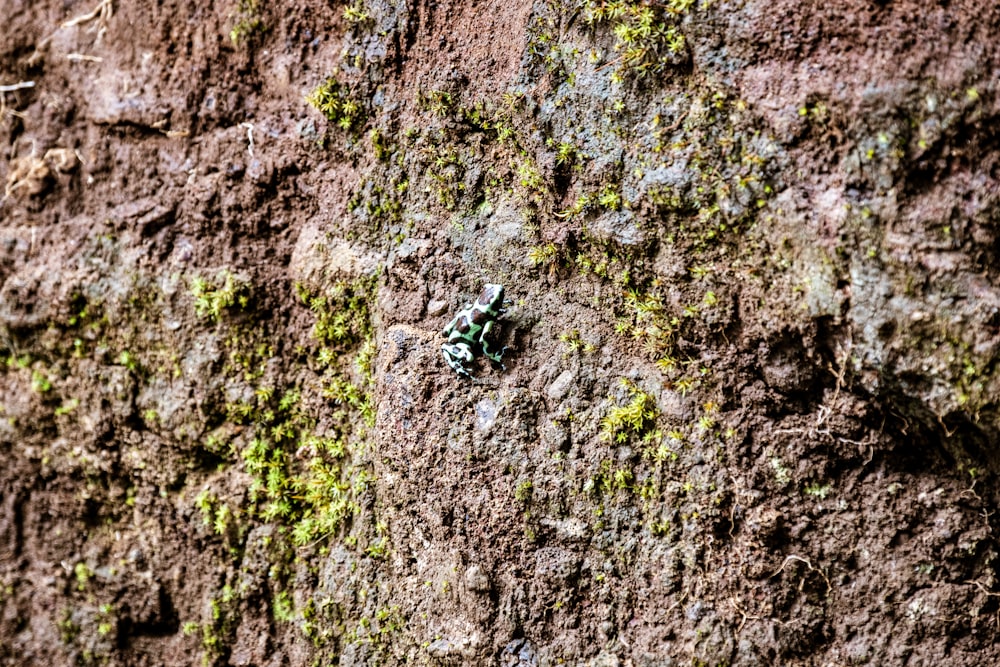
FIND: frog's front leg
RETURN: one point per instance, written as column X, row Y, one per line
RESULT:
column 446, row 332
column 485, row 340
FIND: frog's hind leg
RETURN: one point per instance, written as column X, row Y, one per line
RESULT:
column 491, row 355
column 457, row 355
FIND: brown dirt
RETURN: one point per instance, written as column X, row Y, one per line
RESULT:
column 228, row 432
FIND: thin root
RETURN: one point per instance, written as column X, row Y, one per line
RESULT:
column 32, row 173
column 809, row 565
column 104, row 11
column 249, row 127
column 20, row 85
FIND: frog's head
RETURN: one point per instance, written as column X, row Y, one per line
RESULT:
column 491, row 298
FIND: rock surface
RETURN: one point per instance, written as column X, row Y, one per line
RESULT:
column 748, row 414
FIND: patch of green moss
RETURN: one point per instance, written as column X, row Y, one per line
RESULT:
column 218, row 630
column 306, row 459
column 378, row 211
column 248, row 22
column 647, row 35
column 222, row 293
column 634, row 420
column 83, row 575
column 337, row 103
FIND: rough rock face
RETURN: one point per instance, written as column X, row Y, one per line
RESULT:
column 748, row 412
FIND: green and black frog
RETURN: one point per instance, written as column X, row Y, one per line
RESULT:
column 469, row 332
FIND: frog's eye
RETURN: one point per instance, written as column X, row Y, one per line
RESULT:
column 463, row 324
column 480, row 317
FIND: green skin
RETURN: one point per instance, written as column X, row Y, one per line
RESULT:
column 468, row 333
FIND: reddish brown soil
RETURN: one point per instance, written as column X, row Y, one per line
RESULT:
column 822, row 251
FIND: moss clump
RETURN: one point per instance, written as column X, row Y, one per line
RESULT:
column 543, row 254
column 225, row 292
column 356, row 12
column 645, row 33
column 524, row 491
column 635, row 419
column 609, row 480
column 306, row 460
column 647, row 321
column 248, row 22
column 342, row 317
column 333, row 99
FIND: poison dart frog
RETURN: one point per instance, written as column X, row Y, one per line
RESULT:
column 468, row 334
